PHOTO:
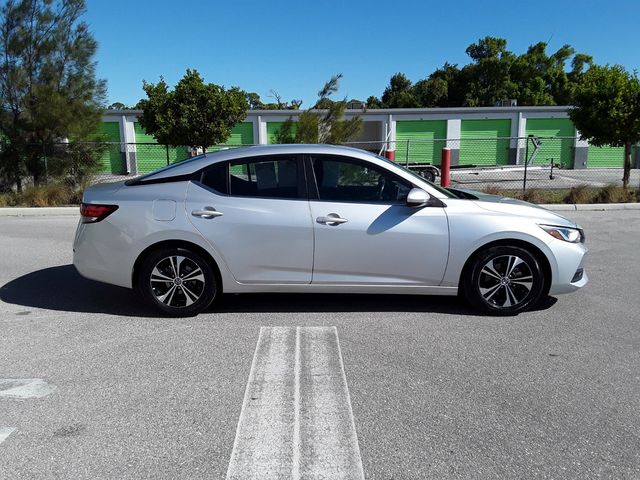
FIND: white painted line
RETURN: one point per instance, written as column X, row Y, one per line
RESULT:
column 264, row 438
column 296, row 419
column 5, row 432
column 25, row 388
column 329, row 444
column 296, row 410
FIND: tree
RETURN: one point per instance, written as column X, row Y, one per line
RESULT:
column 325, row 123
column 117, row 106
column 607, row 110
column 48, row 86
column 494, row 74
column 195, row 113
column 399, row 93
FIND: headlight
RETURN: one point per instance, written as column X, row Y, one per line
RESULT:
column 567, row 234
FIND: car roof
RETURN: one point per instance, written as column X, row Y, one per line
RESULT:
column 231, row 153
column 192, row 165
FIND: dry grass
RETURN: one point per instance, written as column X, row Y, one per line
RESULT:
column 52, row 195
column 532, row 195
column 614, row 194
column 491, row 190
column 580, row 194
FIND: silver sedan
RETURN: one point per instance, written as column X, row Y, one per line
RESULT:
column 317, row 218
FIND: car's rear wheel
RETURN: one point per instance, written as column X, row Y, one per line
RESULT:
column 504, row 280
column 177, row 281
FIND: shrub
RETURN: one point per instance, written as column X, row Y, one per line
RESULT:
column 612, row 193
column 52, row 195
column 531, row 195
column 580, row 194
column 492, row 190
column 9, row 199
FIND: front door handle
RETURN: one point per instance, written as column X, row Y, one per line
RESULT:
column 207, row 212
column 331, row 219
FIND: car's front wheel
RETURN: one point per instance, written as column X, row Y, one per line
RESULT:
column 177, row 281
column 504, row 280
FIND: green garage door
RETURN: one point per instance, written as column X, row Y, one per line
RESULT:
column 560, row 150
column 153, row 157
column 241, row 134
column 605, row 157
column 424, row 139
column 273, row 128
column 480, row 142
column 112, row 160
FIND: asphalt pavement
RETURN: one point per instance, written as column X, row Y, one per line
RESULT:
column 93, row 385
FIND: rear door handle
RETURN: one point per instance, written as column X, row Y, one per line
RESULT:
column 331, row 219
column 207, row 212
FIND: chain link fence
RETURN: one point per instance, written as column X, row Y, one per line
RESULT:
column 512, row 163
column 490, row 164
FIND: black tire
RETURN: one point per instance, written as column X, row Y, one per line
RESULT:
column 497, row 280
column 190, row 296
column 429, row 175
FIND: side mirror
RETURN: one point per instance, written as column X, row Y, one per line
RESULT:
column 418, row 198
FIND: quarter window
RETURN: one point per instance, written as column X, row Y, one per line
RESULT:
column 349, row 181
column 215, row 177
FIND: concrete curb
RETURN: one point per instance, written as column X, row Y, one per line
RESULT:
column 39, row 211
column 74, row 211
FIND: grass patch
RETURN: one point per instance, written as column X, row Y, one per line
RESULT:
column 51, row 195
column 577, row 194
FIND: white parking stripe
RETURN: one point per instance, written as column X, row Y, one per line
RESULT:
column 296, row 419
column 328, row 442
column 264, row 438
column 25, row 388
column 5, row 432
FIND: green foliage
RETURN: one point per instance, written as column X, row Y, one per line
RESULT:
column 607, row 109
column 195, row 113
column 48, row 87
column 494, row 74
column 325, row 123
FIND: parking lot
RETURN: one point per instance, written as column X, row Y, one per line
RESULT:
column 96, row 387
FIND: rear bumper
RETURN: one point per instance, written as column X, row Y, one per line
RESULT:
column 101, row 253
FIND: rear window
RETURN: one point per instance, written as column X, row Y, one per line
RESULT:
column 276, row 178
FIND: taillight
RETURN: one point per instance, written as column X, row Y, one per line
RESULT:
column 92, row 213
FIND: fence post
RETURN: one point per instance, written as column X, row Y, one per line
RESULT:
column 167, row 148
column 526, row 163
column 445, row 166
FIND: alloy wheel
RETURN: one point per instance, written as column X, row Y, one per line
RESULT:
column 505, row 281
column 177, row 281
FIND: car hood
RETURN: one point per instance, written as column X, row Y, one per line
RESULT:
column 512, row 206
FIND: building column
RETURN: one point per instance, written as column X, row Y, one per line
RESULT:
column 454, row 126
column 261, row 135
column 581, row 153
column 128, row 144
column 518, row 141
column 389, row 126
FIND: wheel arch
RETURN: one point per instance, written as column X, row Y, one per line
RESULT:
column 177, row 244
column 542, row 258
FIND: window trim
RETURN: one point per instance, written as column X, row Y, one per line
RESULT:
column 312, row 182
column 301, row 175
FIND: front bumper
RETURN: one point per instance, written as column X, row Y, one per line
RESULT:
column 570, row 257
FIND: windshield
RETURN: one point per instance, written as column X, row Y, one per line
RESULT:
column 444, row 191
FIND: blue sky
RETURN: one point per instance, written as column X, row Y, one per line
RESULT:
column 293, row 47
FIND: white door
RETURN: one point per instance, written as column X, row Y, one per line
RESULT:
column 255, row 213
column 366, row 234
